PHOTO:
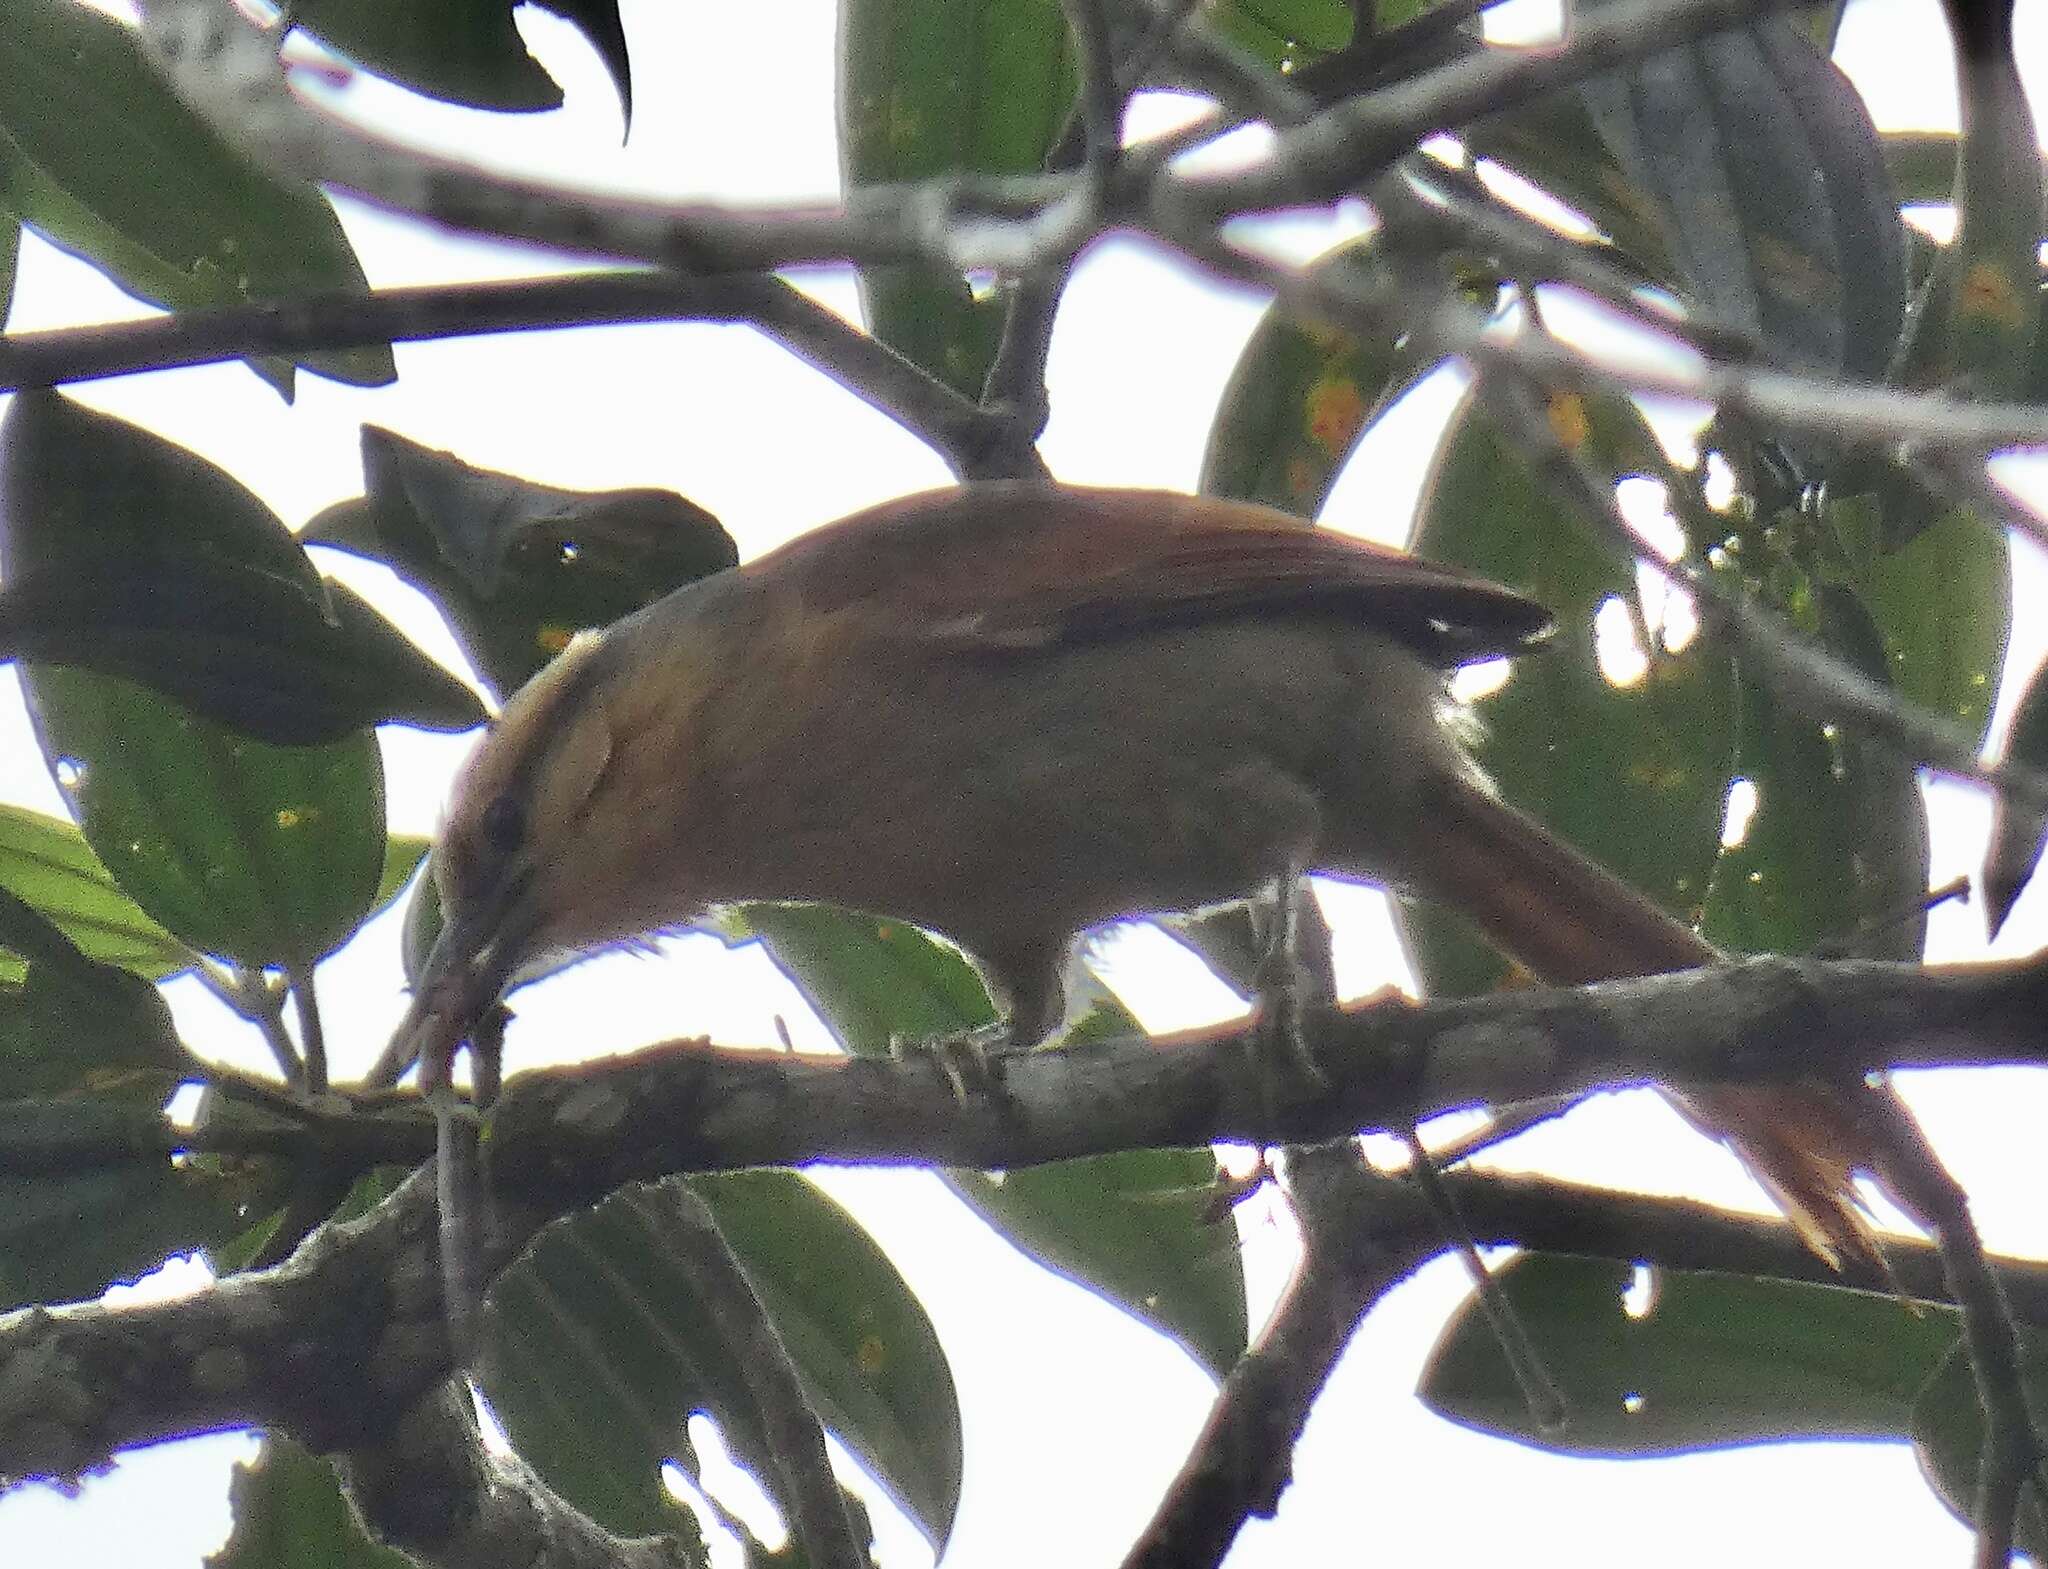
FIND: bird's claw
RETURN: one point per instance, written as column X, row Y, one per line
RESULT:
column 1286, row 1061
column 970, row 1060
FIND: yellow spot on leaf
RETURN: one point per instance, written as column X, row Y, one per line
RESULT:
column 288, row 818
column 1335, row 409
column 1568, row 419
column 871, row 1357
column 553, row 639
column 1987, row 294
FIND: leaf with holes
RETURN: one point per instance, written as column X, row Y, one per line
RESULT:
column 1714, row 1361
column 1835, row 854
column 1634, row 773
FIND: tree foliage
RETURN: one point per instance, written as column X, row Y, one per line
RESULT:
column 1821, row 615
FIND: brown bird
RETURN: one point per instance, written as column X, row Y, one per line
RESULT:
column 1009, row 712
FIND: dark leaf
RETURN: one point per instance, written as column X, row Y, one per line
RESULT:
column 466, row 51
column 258, row 652
column 1771, row 194
column 2018, row 832
column 1977, row 319
column 290, row 1514
column 1636, row 775
column 518, row 568
column 47, row 862
column 66, row 1237
column 1948, row 1434
column 936, row 87
column 598, row 1348
column 1835, row 853
column 99, row 157
column 1298, row 399
column 1136, row 1228
column 265, row 854
column 72, row 1023
column 1711, row 1361
column 598, row 21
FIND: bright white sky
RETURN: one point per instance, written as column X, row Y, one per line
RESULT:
column 1075, row 1416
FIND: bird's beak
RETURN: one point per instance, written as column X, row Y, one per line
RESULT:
column 469, row 966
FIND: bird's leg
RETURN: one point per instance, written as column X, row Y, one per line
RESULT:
column 460, row 1184
column 1293, row 972
column 1030, row 998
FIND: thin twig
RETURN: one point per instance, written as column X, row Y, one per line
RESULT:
column 249, row 993
column 312, row 1031
column 865, row 366
column 1539, row 1390
column 1241, row 1461
column 1354, row 141
column 226, row 69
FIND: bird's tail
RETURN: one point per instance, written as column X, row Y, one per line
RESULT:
column 1570, row 922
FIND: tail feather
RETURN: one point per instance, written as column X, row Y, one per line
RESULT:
column 1570, row 922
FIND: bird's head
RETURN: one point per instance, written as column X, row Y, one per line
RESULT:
column 543, row 847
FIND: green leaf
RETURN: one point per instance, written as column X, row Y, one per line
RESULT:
column 1948, row 1434
column 869, row 1358
column 1135, row 1228
column 2018, row 832
column 64, row 1238
column 1763, row 168
column 256, row 651
column 1839, row 834
column 1285, row 33
column 872, row 979
column 47, row 862
column 517, row 567
column 1943, row 602
column 265, row 854
column 1922, row 164
column 1715, row 1361
column 1297, row 400
column 1636, row 776
column 465, row 51
column 99, row 157
column 10, row 255
column 73, row 1023
column 1140, row 1227
column 290, row 1514
column 598, row 21
column 935, row 87
column 597, row 1348
column 1978, row 319
column 402, row 856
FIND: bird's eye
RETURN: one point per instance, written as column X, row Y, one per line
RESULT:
column 503, row 825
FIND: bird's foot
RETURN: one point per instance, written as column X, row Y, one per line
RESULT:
column 1288, row 1069
column 971, row 1061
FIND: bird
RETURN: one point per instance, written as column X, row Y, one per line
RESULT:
column 1009, row 712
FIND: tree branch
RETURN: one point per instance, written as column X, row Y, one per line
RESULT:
column 226, row 69
column 690, row 1106
column 865, row 366
column 431, row 1490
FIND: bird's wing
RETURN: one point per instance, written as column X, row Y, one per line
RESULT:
column 1014, row 567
